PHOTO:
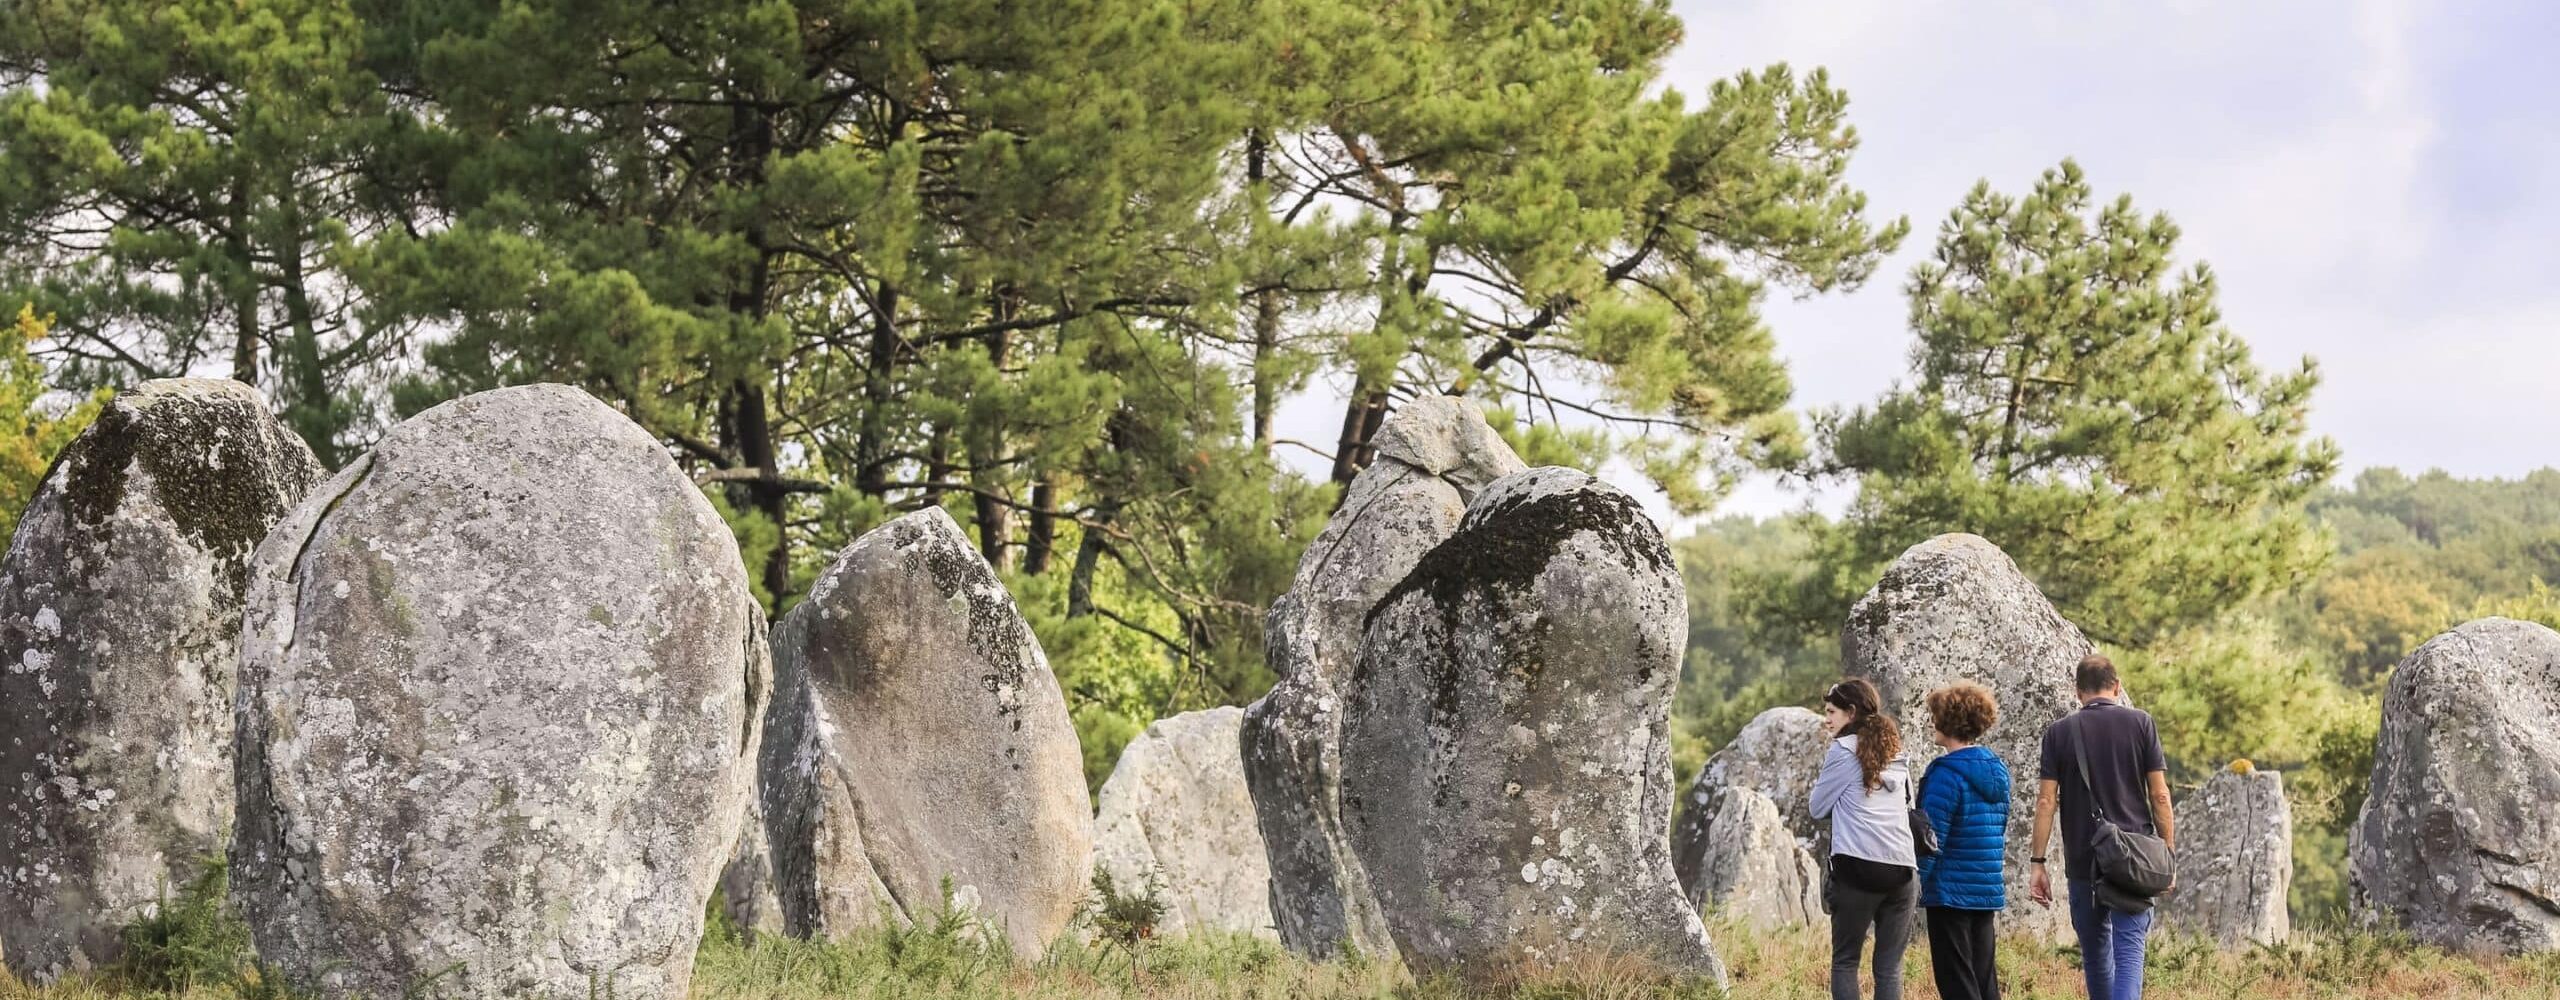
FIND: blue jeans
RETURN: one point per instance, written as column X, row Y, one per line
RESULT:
column 2111, row 945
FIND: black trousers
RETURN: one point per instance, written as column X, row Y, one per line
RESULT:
column 1870, row 897
column 1963, row 954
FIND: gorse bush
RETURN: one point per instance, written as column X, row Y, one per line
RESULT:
column 1125, row 920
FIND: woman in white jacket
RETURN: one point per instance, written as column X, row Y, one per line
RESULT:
column 1864, row 791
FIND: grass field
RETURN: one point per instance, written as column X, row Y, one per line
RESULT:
column 939, row 964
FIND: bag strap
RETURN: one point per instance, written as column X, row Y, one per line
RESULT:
column 2080, row 744
column 2080, row 740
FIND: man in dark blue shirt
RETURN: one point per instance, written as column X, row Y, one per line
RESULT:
column 2128, row 782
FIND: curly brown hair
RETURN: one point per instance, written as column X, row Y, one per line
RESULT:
column 1963, row 710
column 1879, row 740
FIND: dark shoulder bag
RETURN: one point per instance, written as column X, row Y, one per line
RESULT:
column 1924, row 835
column 2136, row 864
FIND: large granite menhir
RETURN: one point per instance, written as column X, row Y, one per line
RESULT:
column 1434, row 454
column 1175, row 809
column 2457, row 843
column 2235, row 860
column 918, row 739
column 1775, row 758
column 1956, row 608
column 1506, row 770
column 498, row 711
column 119, row 630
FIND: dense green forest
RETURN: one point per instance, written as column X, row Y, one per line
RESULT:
column 850, row 258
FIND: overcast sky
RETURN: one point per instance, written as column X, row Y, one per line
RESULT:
column 2376, row 184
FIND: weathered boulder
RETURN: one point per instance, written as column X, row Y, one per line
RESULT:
column 917, row 737
column 1175, row 808
column 1753, row 866
column 1506, row 770
column 1777, row 756
column 2235, row 861
column 1432, row 457
column 119, row 630
column 1956, row 608
column 500, row 684
column 2456, row 843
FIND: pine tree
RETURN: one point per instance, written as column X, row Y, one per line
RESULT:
column 176, row 179
column 1535, row 219
column 2078, row 401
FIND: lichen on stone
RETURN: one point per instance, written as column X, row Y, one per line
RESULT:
column 1501, row 551
column 185, row 450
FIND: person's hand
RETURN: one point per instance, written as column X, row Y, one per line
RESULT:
column 2040, row 887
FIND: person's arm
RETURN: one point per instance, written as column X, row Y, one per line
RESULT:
column 1839, row 772
column 1938, row 797
column 2155, row 767
column 2048, row 793
column 2161, row 815
column 2040, row 884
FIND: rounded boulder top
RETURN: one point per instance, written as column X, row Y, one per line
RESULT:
column 1514, row 531
column 206, row 454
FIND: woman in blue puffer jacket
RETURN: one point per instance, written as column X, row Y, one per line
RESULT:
column 1965, row 793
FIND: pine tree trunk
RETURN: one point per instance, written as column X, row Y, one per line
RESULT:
column 1042, row 540
column 244, row 344
column 308, row 409
column 871, row 448
column 1266, row 320
column 1360, row 421
column 749, row 428
column 986, row 446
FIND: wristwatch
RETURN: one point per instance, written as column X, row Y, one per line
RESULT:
column 2035, row 861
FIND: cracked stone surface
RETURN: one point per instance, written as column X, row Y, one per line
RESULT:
column 1434, row 454
column 1506, row 768
column 2235, row 861
column 1176, row 806
column 500, row 691
column 2456, row 843
column 918, row 737
column 119, row 628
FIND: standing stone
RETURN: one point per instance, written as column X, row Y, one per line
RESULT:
column 918, row 738
column 1506, row 743
column 2235, row 860
column 1955, row 608
column 498, row 712
column 119, row 625
column 1433, row 455
column 1776, row 757
column 2456, row 843
column 1176, row 807
column 1752, row 865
